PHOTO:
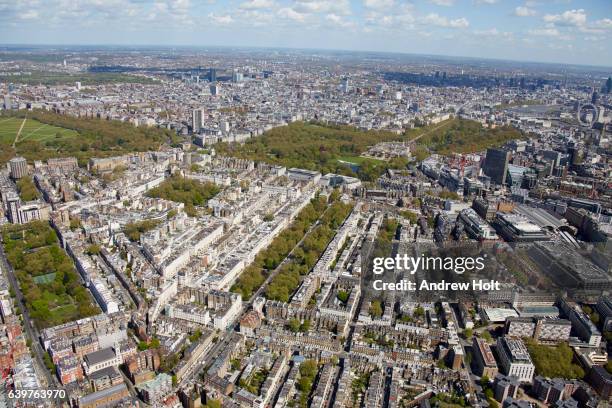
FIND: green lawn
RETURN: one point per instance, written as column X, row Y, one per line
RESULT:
column 32, row 130
column 47, row 134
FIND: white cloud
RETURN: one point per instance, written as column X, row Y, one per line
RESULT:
column 446, row 3
column 337, row 21
column 486, row 1
column 524, row 11
column 491, row 32
column 378, row 4
column 575, row 18
column 605, row 23
column 291, row 14
column 256, row 4
column 29, row 15
column 176, row 11
column 340, row 7
column 441, row 21
column 545, row 32
column 221, row 19
column 400, row 19
column 334, row 18
column 405, row 18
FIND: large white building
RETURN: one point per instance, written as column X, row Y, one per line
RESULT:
column 104, row 296
column 515, row 359
column 191, row 313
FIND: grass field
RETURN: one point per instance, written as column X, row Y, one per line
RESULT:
column 360, row 160
column 32, row 130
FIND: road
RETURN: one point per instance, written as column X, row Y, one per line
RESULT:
column 276, row 270
column 428, row 132
column 209, row 356
column 30, row 330
column 224, row 337
column 19, row 131
column 249, row 303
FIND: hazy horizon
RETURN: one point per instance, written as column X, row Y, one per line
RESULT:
column 144, row 47
column 545, row 31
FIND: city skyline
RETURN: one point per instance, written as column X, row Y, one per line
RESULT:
column 566, row 32
column 248, row 227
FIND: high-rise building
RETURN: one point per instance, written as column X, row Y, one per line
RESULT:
column 196, row 120
column 237, row 76
column 576, row 153
column 18, row 167
column 214, row 89
column 346, row 85
column 7, row 102
column 212, row 75
column 515, row 359
column 604, row 308
column 496, row 165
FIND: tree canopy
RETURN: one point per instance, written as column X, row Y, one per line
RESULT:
column 554, row 361
column 97, row 138
column 255, row 274
column 192, row 193
column 317, row 146
column 46, row 275
column 27, row 190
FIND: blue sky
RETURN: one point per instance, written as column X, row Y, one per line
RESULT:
column 565, row 31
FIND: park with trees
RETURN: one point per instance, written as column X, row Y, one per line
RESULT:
column 267, row 260
column 95, row 138
column 190, row 192
column 304, row 258
column 328, row 148
column 51, row 287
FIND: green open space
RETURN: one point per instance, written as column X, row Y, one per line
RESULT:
column 317, row 146
column 48, row 134
column 324, row 147
column 85, row 78
column 554, row 361
column 52, row 290
column 267, row 260
column 255, row 381
column 32, row 130
column 192, row 193
column 27, row 190
column 304, row 258
column 134, row 230
column 461, row 136
column 308, row 373
column 359, row 160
